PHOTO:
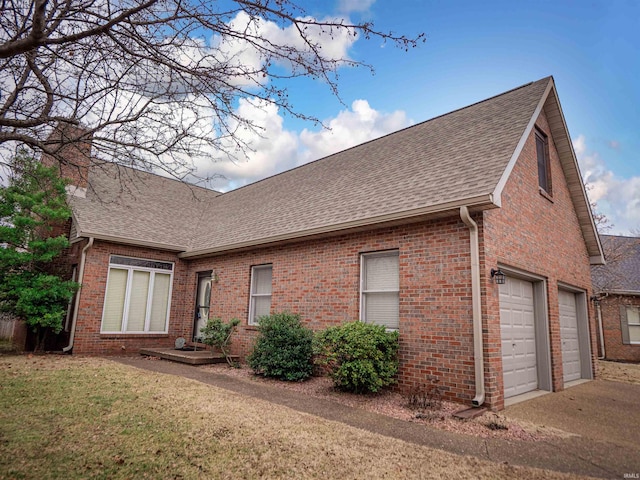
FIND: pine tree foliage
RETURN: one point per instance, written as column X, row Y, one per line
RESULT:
column 31, row 204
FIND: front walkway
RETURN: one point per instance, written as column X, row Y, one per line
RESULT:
column 587, row 453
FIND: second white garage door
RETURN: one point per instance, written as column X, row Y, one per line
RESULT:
column 517, row 322
column 569, row 336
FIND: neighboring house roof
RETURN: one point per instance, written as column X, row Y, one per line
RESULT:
column 621, row 274
column 463, row 158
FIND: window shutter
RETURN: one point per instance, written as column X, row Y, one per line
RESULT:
column 114, row 300
column 624, row 325
column 160, row 302
column 138, row 301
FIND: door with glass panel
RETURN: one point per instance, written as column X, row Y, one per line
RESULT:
column 203, row 300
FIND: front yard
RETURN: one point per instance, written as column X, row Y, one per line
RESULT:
column 71, row 417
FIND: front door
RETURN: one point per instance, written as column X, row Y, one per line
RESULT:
column 203, row 301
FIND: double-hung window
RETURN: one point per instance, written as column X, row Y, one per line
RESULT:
column 544, row 170
column 379, row 288
column 633, row 324
column 260, row 297
column 138, row 296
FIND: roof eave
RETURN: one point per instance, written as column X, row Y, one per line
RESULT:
column 132, row 241
column 630, row 293
column 482, row 202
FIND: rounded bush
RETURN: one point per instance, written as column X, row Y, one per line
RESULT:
column 361, row 357
column 283, row 348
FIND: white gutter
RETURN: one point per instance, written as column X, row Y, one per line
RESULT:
column 478, row 354
column 83, row 258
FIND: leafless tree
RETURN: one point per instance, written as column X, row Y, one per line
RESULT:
column 155, row 82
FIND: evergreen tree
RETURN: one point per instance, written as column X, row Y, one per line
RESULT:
column 32, row 203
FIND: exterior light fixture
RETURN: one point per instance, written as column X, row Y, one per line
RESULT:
column 498, row 277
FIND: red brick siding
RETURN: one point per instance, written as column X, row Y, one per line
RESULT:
column 319, row 279
column 538, row 235
column 610, row 311
column 73, row 153
column 88, row 339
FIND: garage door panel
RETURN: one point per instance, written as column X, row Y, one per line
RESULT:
column 517, row 322
column 569, row 336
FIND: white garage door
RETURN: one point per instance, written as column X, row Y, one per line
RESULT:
column 569, row 336
column 517, row 323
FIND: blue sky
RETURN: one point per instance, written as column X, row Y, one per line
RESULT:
column 475, row 50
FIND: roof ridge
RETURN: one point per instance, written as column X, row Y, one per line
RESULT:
column 101, row 163
column 383, row 136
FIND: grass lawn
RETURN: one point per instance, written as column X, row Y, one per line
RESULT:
column 70, row 417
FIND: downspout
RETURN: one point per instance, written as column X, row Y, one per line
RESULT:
column 83, row 258
column 601, row 331
column 478, row 354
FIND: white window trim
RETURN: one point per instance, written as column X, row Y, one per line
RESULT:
column 125, row 310
column 252, row 304
column 363, row 292
column 629, row 324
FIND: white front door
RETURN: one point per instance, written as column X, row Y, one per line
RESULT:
column 517, row 324
column 569, row 336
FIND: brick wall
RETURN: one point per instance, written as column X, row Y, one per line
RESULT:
column 614, row 348
column 88, row 339
column 540, row 235
column 70, row 148
column 319, row 279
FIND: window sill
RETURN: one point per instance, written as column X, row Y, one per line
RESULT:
column 251, row 328
column 133, row 335
column 544, row 193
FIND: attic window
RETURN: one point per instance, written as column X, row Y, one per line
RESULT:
column 544, row 170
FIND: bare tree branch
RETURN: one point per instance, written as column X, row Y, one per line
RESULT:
column 156, row 82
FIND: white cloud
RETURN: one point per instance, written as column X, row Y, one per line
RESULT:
column 618, row 198
column 350, row 128
column 243, row 54
column 354, row 5
column 273, row 149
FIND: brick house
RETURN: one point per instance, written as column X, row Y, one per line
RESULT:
column 407, row 231
column 617, row 286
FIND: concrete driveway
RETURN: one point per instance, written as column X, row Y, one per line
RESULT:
column 600, row 410
column 602, row 414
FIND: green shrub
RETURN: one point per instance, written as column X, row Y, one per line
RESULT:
column 361, row 357
column 217, row 334
column 283, row 349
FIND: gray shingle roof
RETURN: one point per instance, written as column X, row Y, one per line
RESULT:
column 132, row 206
column 622, row 271
column 433, row 167
column 458, row 157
